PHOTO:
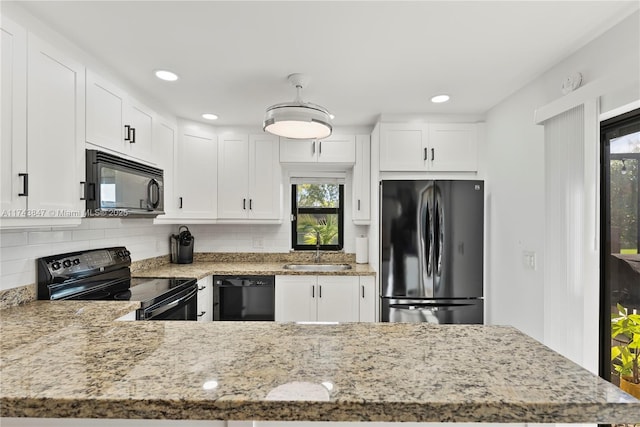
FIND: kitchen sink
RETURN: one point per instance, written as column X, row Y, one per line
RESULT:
column 317, row 267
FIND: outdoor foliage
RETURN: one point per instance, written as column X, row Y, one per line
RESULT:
column 318, row 196
column 625, row 356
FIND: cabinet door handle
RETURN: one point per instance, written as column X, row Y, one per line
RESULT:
column 425, row 154
column 202, row 313
column 358, row 204
column 362, row 291
column 133, row 135
column 319, row 291
column 319, row 147
column 25, row 184
column 433, row 154
column 127, row 129
column 244, row 204
column 180, row 199
column 313, row 147
column 313, row 291
column 250, row 203
column 83, row 190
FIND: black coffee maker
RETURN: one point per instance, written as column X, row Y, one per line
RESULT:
column 181, row 246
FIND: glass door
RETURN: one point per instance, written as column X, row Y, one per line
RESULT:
column 620, row 243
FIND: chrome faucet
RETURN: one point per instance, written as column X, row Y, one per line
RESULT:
column 317, row 247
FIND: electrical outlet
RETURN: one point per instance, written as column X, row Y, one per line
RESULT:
column 529, row 260
column 258, row 242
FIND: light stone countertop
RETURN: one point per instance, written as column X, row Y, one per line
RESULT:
column 200, row 269
column 69, row 359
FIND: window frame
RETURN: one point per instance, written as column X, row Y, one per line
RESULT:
column 295, row 211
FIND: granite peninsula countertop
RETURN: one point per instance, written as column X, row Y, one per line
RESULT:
column 70, row 359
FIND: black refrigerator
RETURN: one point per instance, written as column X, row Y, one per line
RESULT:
column 431, row 251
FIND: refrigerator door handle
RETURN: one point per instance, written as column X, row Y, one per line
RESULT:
column 438, row 229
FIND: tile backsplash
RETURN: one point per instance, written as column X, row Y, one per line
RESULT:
column 20, row 248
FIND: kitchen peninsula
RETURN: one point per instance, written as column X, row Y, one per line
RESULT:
column 71, row 359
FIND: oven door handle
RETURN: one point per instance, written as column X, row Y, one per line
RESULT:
column 161, row 307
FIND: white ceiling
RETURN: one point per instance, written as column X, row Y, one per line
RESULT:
column 364, row 58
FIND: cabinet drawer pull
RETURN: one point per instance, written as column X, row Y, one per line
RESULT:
column 25, row 184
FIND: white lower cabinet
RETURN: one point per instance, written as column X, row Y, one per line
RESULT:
column 306, row 298
column 205, row 299
column 367, row 297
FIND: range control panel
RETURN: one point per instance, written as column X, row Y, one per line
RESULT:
column 85, row 262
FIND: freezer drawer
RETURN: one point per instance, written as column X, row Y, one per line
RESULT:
column 459, row 311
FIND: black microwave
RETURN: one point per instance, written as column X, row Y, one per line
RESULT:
column 119, row 187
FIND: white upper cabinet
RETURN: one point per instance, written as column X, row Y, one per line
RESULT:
column 116, row 121
column 55, row 109
column 450, row 147
column 403, row 147
column 164, row 155
column 42, row 125
column 196, row 173
column 249, row 177
column 340, row 149
column 453, row 147
column 105, row 113
column 139, row 124
column 361, row 205
column 13, row 163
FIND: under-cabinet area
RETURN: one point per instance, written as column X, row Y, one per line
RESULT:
column 287, row 298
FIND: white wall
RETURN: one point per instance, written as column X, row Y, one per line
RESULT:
column 516, row 175
column 20, row 248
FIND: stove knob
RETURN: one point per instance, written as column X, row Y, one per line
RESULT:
column 66, row 263
column 55, row 265
column 76, row 261
column 127, row 253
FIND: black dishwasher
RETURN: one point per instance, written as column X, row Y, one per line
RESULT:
column 244, row 298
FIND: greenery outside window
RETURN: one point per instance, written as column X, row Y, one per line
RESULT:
column 317, row 210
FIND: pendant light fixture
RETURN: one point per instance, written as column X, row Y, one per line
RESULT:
column 298, row 119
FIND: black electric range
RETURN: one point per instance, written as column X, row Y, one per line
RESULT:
column 105, row 274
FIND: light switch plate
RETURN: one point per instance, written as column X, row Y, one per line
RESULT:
column 529, row 260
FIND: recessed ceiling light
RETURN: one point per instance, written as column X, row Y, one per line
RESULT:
column 166, row 75
column 439, row 99
column 209, row 116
